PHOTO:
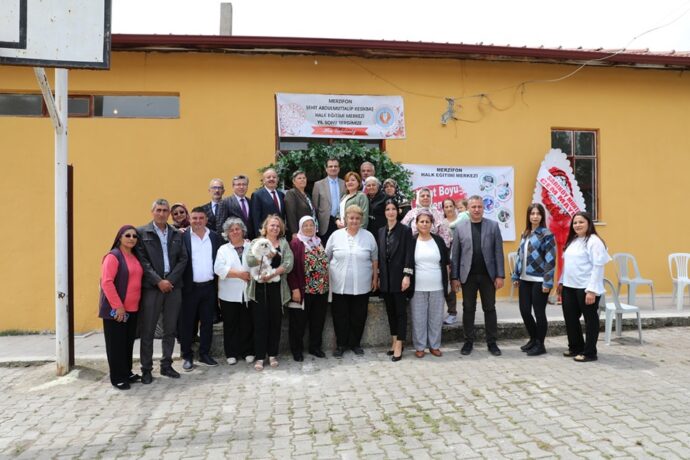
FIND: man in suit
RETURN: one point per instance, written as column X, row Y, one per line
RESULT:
column 267, row 200
column 213, row 208
column 163, row 258
column 326, row 199
column 238, row 205
column 478, row 266
column 199, row 295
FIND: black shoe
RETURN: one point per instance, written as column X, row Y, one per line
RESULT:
column 146, row 377
column 134, row 378
column 188, row 365
column 466, row 348
column 395, row 359
column 528, row 345
column 339, row 351
column 299, row 357
column 570, row 354
column 206, row 359
column 170, row 372
column 317, row 353
column 537, row 349
column 358, row 351
column 494, row 350
column 122, row 385
column 390, row 353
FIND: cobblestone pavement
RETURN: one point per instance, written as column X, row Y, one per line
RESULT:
column 633, row 403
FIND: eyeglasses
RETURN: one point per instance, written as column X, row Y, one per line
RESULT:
column 217, row 187
column 130, row 235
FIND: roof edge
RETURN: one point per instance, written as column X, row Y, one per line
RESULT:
column 391, row 48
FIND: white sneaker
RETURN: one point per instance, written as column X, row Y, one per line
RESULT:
column 249, row 359
column 232, row 361
column 451, row 319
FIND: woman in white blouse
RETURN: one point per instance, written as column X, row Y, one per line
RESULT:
column 581, row 286
column 353, row 273
column 429, row 284
column 232, row 281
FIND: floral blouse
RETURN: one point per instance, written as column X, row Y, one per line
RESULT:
column 316, row 271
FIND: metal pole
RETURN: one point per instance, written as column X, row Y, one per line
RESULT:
column 61, row 228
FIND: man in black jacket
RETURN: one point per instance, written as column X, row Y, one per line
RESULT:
column 199, row 294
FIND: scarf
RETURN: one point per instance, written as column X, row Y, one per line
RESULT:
column 310, row 242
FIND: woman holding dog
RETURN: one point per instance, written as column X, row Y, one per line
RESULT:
column 353, row 270
column 308, row 281
column 268, row 290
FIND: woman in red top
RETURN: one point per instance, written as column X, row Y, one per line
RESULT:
column 121, row 275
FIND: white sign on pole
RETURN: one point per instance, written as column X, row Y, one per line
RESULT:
column 340, row 116
column 55, row 33
column 495, row 184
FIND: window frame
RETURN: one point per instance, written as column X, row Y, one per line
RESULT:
column 595, row 157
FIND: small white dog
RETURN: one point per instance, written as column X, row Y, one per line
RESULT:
column 261, row 249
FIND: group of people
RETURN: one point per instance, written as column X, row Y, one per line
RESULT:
column 295, row 252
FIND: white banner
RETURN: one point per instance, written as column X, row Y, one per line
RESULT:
column 495, row 184
column 340, row 116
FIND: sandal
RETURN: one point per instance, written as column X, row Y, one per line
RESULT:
column 273, row 361
column 584, row 359
column 259, row 365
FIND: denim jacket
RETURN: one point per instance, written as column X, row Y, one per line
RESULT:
column 541, row 256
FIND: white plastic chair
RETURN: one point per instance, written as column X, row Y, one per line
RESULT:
column 617, row 309
column 680, row 280
column 512, row 261
column 623, row 262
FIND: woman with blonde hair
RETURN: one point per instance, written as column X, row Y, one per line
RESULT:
column 267, row 294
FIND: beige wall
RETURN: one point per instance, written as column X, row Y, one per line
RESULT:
column 227, row 126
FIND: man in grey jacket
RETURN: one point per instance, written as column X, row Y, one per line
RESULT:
column 163, row 258
column 478, row 266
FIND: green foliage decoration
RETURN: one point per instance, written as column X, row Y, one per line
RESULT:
column 351, row 155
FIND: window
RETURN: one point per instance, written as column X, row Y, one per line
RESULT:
column 21, row 105
column 136, row 106
column 582, row 149
column 105, row 106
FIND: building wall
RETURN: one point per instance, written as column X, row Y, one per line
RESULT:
column 227, row 126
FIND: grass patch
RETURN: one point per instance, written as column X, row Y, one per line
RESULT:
column 12, row 332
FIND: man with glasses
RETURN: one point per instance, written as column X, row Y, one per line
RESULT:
column 163, row 258
column 326, row 199
column 214, row 210
column 239, row 205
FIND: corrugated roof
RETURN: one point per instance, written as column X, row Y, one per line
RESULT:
column 399, row 49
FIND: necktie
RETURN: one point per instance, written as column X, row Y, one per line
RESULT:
column 275, row 200
column 244, row 208
column 215, row 210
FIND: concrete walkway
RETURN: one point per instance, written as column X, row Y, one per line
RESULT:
column 632, row 403
column 41, row 347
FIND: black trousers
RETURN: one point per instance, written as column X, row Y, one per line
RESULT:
column 574, row 306
column 349, row 317
column 396, row 308
column 314, row 313
column 119, row 344
column 238, row 329
column 268, row 316
column 200, row 301
column 531, row 297
column 452, row 301
column 485, row 285
column 332, row 226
